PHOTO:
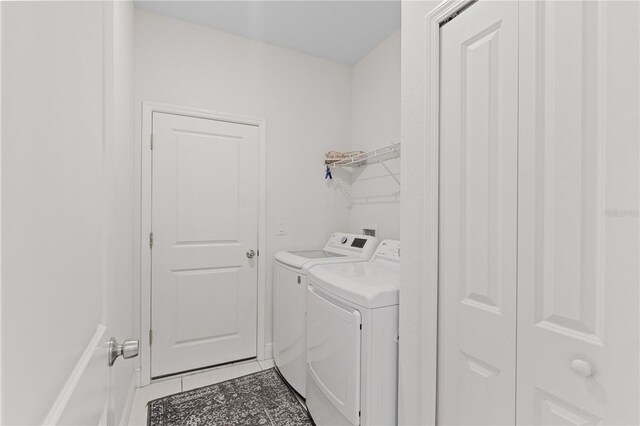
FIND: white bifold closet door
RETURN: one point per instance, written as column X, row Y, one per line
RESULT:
column 478, row 216
column 539, row 197
column 578, row 229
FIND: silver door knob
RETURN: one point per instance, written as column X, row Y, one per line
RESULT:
column 251, row 254
column 128, row 349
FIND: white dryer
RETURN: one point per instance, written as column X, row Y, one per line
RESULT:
column 352, row 340
column 290, row 282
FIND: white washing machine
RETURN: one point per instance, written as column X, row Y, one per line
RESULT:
column 290, row 282
column 352, row 340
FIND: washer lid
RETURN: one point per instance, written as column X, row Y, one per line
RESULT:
column 341, row 247
column 316, row 254
column 372, row 284
column 299, row 258
column 291, row 259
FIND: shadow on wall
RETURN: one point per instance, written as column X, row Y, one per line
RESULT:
column 368, row 184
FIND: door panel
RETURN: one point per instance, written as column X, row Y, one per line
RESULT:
column 198, row 170
column 478, row 202
column 570, row 190
column 208, row 314
column 578, row 249
column 204, row 215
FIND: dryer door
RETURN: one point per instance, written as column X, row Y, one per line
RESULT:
column 333, row 360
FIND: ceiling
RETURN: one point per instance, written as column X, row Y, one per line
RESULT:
column 341, row 31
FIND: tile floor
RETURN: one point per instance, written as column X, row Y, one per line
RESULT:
column 138, row 416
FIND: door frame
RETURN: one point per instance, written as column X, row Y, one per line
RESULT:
column 0, row 205
column 427, row 331
column 143, row 221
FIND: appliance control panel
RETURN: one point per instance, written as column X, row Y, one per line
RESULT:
column 389, row 249
column 352, row 244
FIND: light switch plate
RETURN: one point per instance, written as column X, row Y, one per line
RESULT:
column 282, row 228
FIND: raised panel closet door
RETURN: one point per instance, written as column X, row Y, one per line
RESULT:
column 578, row 234
column 478, row 216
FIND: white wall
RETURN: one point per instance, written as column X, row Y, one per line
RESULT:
column 51, row 117
column 39, row 105
column 414, row 386
column 305, row 100
column 375, row 114
column 66, row 204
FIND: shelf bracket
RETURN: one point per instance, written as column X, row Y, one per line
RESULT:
column 390, row 173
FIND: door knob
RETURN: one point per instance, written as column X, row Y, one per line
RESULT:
column 128, row 349
column 581, row 367
column 251, row 254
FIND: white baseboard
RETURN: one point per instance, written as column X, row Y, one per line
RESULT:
column 128, row 404
column 78, row 379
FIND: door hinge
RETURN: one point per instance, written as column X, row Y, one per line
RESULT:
column 151, row 140
column 151, row 240
column 150, row 337
column 360, row 326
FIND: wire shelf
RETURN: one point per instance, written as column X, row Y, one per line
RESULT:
column 376, row 156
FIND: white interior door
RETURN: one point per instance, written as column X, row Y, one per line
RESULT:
column 204, row 223
column 578, row 217
column 478, row 216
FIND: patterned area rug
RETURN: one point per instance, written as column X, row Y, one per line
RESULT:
column 257, row 399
